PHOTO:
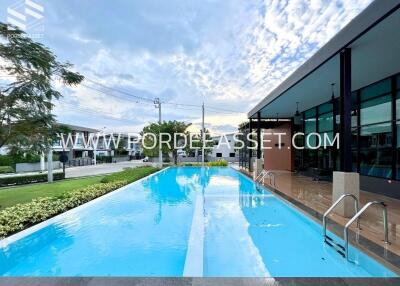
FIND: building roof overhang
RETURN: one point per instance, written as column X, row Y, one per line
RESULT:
column 373, row 36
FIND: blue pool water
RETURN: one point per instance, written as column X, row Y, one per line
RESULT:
column 182, row 222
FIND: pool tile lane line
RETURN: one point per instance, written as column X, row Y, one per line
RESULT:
column 195, row 251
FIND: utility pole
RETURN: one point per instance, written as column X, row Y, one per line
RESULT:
column 157, row 104
column 203, row 136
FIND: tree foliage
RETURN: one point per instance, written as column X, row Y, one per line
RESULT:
column 197, row 143
column 28, row 70
column 166, row 127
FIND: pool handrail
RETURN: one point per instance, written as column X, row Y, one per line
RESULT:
column 264, row 173
column 356, row 203
column 356, row 217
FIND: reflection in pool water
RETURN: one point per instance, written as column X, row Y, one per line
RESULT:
column 151, row 228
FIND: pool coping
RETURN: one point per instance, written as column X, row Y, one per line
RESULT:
column 23, row 233
column 194, row 281
column 370, row 248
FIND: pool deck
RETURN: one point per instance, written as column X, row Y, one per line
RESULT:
column 315, row 197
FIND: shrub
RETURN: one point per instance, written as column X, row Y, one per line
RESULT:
column 6, row 169
column 27, row 179
column 190, row 164
column 21, row 216
column 219, row 163
column 6, row 160
column 130, row 174
column 11, row 160
column 104, row 159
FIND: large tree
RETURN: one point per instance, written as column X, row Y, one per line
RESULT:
column 28, row 70
column 197, row 143
column 167, row 127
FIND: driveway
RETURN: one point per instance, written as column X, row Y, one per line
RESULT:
column 99, row 169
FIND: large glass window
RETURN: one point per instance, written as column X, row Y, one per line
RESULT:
column 398, row 106
column 398, row 151
column 310, row 126
column 372, row 123
column 376, row 89
column 375, row 135
column 398, row 128
column 325, row 129
column 376, row 150
column 376, row 110
column 325, row 122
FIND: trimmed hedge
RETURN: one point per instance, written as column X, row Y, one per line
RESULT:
column 11, row 160
column 130, row 174
column 104, row 159
column 21, row 216
column 219, row 163
column 27, row 179
column 6, row 169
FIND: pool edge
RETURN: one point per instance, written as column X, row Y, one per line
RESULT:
column 393, row 264
column 24, row 233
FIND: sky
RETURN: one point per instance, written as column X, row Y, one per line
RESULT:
column 228, row 54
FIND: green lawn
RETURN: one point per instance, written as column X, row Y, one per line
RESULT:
column 23, row 194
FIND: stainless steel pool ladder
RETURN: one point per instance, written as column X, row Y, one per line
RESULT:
column 264, row 173
column 356, row 217
column 329, row 240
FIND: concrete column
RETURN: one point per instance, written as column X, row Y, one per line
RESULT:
column 257, row 167
column 42, row 164
column 94, row 157
column 345, row 183
column 345, row 111
column 50, row 166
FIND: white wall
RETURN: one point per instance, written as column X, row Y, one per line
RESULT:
column 225, row 148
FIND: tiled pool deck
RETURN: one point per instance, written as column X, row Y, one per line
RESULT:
column 315, row 197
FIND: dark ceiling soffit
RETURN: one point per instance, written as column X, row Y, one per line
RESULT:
column 264, row 124
column 375, row 7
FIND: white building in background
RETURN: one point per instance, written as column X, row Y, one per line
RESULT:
column 4, row 150
column 224, row 148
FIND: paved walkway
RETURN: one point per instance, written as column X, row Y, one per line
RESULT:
column 99, row 169
column 83, row 171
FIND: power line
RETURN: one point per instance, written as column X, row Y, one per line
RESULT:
column 97, row 113
column 152, row 100
column 121, row 91
column 110, row 94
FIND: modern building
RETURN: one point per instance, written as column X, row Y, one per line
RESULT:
column 105, row 147
column 78, row 149
column 224, row 148
column 350, row 87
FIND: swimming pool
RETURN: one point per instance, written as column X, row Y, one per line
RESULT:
column 183, row 221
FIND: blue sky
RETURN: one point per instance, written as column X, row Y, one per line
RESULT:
column 227, row 53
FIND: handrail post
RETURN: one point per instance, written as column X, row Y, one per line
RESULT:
column 356, row 217
column 356, row 211
column 385, row 223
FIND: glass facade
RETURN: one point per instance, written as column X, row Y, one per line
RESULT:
column 318, row 120
column 397, row 110
column 310, row 126
column 374, row 140
column 375, row 127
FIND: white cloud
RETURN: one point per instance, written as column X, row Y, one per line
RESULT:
column 240, row 50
